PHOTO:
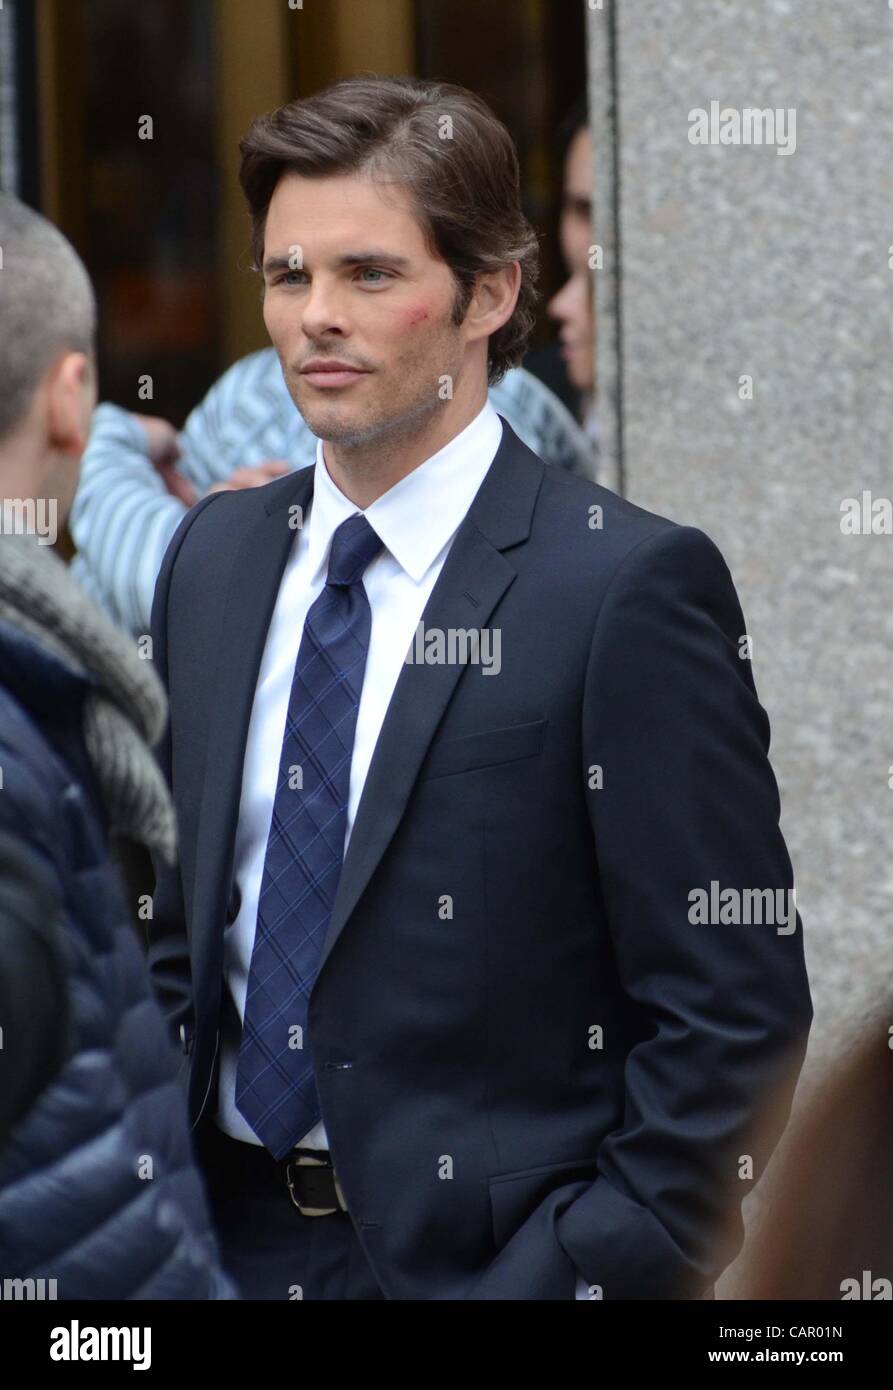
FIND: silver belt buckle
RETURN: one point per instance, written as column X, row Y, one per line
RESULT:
column 312, row 1211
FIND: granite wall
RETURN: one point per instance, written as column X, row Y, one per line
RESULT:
column 746, row 387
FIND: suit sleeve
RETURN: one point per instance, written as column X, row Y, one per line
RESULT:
column 688, row 797
column 168, row 951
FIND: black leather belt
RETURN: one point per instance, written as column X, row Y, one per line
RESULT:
column 312, row 1183
column 306, row 1175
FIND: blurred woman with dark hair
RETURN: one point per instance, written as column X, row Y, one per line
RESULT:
column 828, row 1231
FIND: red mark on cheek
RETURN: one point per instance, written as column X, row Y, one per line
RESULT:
column 415, row 317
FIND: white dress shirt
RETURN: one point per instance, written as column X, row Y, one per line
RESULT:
column 398, row 582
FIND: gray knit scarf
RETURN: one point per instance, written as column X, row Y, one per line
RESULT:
column 125, row 708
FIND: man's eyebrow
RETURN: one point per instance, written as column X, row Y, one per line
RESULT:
column 279, row 263
column 385, row 258
column 379, row 257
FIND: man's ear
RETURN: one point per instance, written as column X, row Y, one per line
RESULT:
column 70, row 395
column 493, row 301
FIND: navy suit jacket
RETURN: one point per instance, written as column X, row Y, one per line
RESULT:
column 529, row 1060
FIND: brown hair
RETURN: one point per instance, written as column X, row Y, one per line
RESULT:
column 830, row 1222
column 443, row 143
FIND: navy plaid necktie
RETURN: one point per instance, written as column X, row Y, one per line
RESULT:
column 275, row 1088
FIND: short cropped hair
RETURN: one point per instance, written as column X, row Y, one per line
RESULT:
column 445, row 146
column 47, row 305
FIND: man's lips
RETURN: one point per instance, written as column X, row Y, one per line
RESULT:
column 331, row 374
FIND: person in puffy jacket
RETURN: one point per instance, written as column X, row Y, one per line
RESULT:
column 99, row 1191
column 33, row 987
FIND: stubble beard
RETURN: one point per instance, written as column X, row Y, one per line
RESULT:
column 381, row 429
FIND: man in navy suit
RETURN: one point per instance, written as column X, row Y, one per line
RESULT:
column 482, row 945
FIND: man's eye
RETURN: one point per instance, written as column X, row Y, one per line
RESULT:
column 371, row 270
column 284, row 277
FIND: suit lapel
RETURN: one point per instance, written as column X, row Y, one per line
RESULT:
column 473, row 580
column 247, row 611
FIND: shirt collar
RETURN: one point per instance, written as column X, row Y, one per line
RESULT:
column 417, row 516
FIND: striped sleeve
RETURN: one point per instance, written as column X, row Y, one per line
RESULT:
column 544, row 423
column 123, row 517
column 121, row 520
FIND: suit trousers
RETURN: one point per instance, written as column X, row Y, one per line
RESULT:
column 268, row 1247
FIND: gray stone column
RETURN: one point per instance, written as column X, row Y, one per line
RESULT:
column 746, row 387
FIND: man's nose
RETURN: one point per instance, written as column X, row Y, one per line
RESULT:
column 324, row 308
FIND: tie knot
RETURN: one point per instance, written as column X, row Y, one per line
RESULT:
column 354, row 545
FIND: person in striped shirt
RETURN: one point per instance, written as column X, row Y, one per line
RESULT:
column 139, row 474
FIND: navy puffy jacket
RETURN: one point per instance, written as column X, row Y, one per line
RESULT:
column 98, row 1186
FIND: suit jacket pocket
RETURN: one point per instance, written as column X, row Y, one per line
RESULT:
column 514, row 1196
column 486, row 749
